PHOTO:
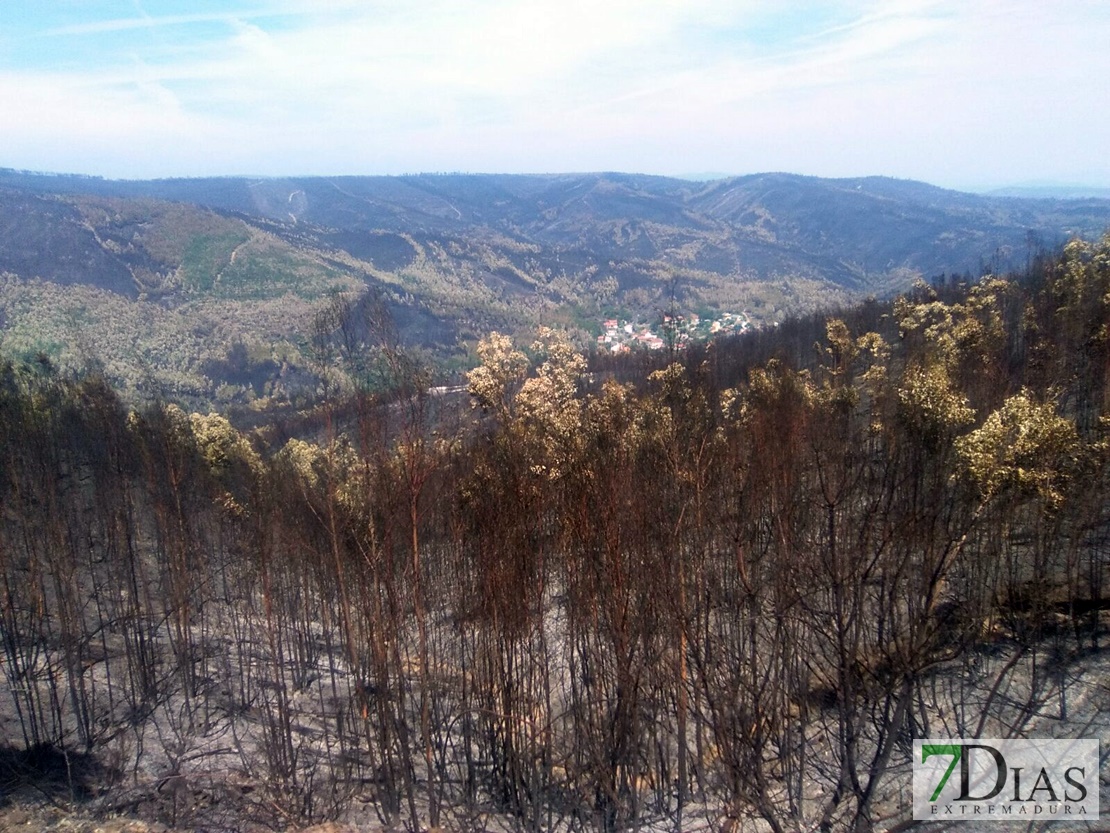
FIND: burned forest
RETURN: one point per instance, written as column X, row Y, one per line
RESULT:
column 717, row 588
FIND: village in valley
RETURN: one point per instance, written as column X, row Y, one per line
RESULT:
column 620, row 336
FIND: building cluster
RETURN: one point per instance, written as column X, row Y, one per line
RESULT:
column 619, row 336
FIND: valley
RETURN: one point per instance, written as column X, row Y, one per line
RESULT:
column 243, row 266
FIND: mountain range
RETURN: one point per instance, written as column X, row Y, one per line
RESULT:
column 206, row 288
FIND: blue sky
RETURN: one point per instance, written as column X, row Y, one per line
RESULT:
column 961, row 93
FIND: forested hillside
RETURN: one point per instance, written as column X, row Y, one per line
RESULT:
column 205, row 291
column 708, row 587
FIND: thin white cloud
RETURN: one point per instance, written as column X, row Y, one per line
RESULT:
column 126, row 24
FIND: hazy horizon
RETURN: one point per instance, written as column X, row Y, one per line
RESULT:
column 967, row 95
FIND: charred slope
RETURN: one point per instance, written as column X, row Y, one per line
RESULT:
column 851, row 232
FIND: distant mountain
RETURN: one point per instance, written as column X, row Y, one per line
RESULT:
column 198, row 274
column 1052, row 191
column 850, row 232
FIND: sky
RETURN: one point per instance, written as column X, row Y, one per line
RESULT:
column 968, row 94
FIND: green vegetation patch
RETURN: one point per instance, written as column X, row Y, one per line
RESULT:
column 206, row 256
column 270, row 274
